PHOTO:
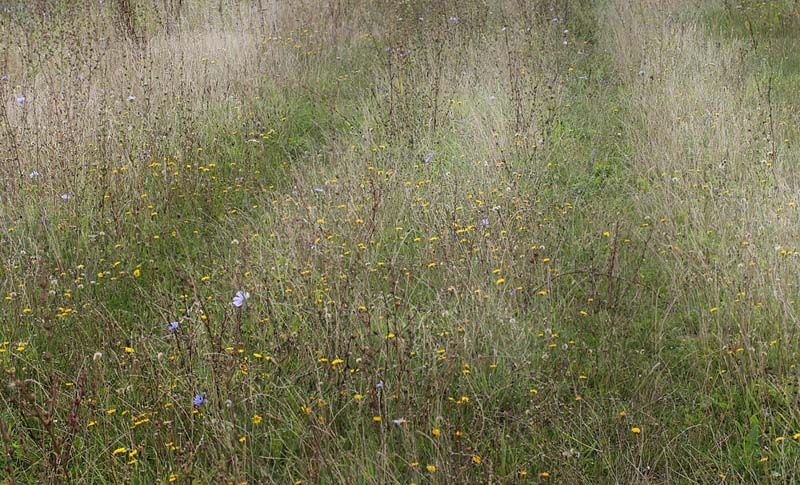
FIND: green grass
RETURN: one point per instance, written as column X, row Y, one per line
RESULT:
column 540, row 300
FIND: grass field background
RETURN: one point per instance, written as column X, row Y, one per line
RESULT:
column 356, row 241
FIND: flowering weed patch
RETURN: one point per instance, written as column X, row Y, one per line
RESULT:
column 403, row 242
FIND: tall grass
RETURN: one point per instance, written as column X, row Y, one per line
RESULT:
column 407, row 242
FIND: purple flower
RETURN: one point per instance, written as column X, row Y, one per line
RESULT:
column 399, row 421
column 33, row 174
column 174, row 326
column 66, row 196
column 428, row 157
column 319, row 190
column 20, row 99
column 379, row 385
column 240, row 297
column 199, row 399
column 131, row 98
column 484, row 222
column 453, row 19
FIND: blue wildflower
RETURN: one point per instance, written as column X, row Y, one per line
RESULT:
column 240, row 297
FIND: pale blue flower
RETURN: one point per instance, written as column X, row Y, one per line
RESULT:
column 240, row 297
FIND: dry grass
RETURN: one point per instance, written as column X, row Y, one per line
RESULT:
column 482, row 243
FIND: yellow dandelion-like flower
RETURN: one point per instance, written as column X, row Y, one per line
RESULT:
column 436, row 432
column 257, row 419
column 636, row 430
column 119, row 451
column 431, row 468
column 476, row 459
column 137, row 273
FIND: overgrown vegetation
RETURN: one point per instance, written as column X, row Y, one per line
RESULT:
column 399, row 242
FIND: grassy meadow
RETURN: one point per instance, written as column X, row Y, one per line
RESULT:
column 406, row 242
